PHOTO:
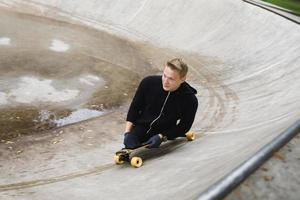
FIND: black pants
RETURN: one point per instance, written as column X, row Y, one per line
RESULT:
column 137, row 136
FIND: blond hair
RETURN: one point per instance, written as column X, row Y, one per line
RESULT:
column 178, row 65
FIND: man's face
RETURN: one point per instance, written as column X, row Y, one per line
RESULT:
column 171, row 79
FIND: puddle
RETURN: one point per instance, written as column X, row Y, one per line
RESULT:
column 59, row 46
column 77, row 116
column 54, row 73
column 4, row 41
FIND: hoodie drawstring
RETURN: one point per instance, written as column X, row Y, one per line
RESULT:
column 159, row 113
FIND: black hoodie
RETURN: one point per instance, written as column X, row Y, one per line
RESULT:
column 168, row 113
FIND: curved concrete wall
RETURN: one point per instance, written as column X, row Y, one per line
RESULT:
column 251, row 43
column 248, row 97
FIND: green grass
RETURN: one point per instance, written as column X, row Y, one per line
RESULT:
column 292, row 5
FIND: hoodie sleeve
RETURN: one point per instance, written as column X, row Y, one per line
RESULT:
column 138, row 102
column 189, row 109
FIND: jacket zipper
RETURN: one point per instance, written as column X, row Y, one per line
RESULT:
column 159, row 113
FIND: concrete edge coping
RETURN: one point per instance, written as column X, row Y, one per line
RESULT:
column 287, row 14
column 229, row 182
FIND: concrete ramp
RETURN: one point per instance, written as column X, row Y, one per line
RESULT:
column 245, row 65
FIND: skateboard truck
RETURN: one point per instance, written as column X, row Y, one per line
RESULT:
column 124, row 155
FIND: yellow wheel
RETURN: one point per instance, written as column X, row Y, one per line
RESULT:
column 190, row 136
column 136, row 162
column 117, row 160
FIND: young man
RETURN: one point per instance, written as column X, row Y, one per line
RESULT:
column 163, row 107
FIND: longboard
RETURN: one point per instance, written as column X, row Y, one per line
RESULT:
column 124, row 155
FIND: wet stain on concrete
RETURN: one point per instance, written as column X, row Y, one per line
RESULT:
column 56, row 67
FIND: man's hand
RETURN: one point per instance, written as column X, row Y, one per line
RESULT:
column 154, row 141
column 128, row 126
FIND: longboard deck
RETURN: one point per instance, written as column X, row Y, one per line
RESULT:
column 135, row 156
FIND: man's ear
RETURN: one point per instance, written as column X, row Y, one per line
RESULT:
column 183, row 78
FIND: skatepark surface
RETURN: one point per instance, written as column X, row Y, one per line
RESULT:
column 244, row 62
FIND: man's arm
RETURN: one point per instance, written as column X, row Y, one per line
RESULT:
column 186, row 120
column 137, row 105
